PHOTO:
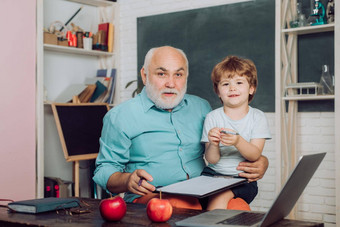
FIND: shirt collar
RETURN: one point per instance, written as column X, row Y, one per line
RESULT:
column 148, row 104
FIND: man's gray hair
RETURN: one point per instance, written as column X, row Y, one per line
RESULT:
column 150, row 53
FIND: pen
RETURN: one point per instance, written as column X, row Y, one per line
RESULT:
column 71, row 18
column 230, row 132
column 140, row 181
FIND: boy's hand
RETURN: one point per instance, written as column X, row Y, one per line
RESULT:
column 229, row 139
column 214, row 136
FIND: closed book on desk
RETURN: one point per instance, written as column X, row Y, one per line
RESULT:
column 42, row 205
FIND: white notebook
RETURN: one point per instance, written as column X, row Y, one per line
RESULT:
column 202, row 186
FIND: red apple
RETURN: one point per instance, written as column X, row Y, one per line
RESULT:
column 159, row 210
column 112, row 209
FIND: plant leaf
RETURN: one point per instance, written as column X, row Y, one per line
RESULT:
column 129, row 83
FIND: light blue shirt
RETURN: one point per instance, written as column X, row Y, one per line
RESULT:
column 138, row 135
column 253, row 126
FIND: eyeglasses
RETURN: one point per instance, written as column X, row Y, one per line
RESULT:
column 81, row 209
column 5, row 200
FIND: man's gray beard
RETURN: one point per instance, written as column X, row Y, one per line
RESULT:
column 157, row 98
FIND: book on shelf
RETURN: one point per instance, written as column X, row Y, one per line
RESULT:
column 111, row 90
column 69, row 92
column 34, row 206
column 106, row 81
column 102, row 74
column 105, row 37
column 86, row 94
column 99, row 93
column 98, row 89
column 110, row 39
column 107, row 78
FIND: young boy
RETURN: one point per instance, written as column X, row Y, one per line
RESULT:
column 236, row 131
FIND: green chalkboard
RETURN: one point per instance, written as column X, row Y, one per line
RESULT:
column 315, row 50
column 207, row 35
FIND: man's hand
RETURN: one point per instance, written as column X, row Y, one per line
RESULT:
column 137, row 182
column 253, row 171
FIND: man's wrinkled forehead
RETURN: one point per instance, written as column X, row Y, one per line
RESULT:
column 168, row 59
column 165, row 70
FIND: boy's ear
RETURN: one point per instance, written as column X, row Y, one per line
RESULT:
column 251, row 90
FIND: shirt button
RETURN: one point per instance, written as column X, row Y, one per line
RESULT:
column 180, row 149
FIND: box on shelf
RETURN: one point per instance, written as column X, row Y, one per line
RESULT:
column 63, row 43
column 50, row 38
column 308, row 88
column 56, row 187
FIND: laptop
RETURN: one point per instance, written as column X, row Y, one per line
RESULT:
column 284, row 203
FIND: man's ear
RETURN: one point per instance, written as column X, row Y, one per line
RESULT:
column 143, row 75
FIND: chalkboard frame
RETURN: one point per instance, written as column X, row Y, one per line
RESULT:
column 207, row 35
column 68, row 124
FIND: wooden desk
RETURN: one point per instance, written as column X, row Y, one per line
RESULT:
column 135, row 216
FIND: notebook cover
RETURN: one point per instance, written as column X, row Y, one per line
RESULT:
column 43, row 205
column 202, row 186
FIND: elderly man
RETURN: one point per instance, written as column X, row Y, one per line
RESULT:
column 154, row 139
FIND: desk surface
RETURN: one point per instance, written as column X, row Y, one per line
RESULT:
column 135, row 216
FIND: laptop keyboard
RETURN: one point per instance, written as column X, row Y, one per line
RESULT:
column 244, row 218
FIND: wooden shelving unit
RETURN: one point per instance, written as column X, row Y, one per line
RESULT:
column 98, row 3
column 73, row 50
column 308, row 97
column 287, row 105
column 309, row 29
column 98, row 11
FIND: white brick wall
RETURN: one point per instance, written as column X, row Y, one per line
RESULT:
column 315, row 131
column 316, row 134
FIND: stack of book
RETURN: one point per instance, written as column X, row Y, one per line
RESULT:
column 105, row 83
column 103, row 40
column 99, row 89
